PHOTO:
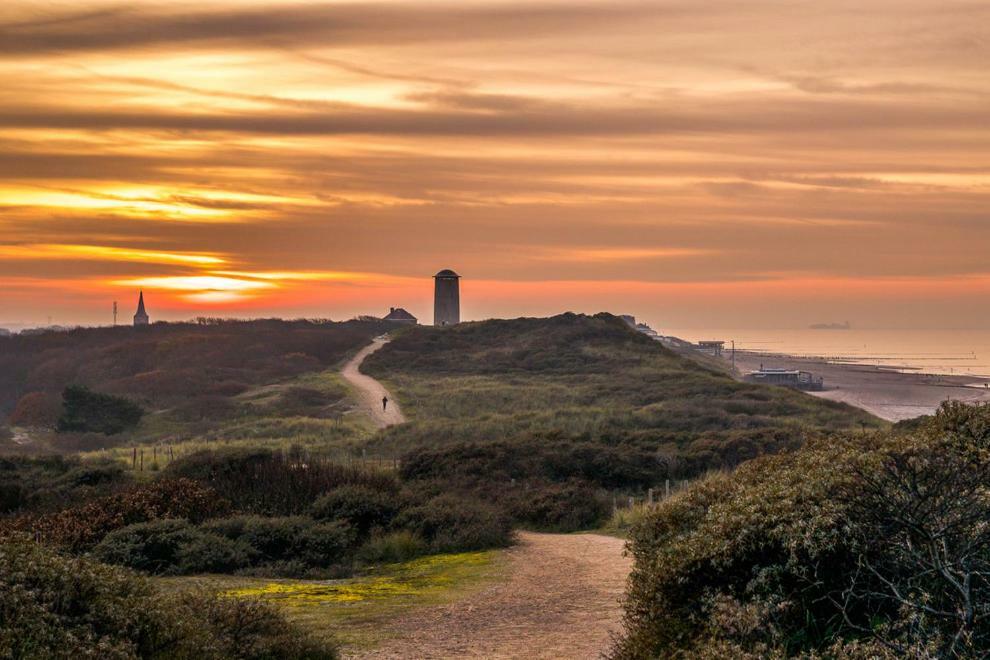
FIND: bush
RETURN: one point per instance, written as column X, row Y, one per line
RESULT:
column 392, row 547
column 455, row 524
column 79, row 528
column 560, row 507
column 36, row 409
column 85, row 411
column 287, row 545
column 263, row 482
column 359, row 506
column 860, row 547
column 56, row 607
column 326, row 544
column 48, row 482
column 274, row 539
column 172, row 547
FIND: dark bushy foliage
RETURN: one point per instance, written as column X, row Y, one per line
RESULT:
column 172, row 547
column 271, row 483
column 85, row 411
column 79, row 528
column 566, row 507
column 44, row 483
column 295, row 540
column 862, row 547
column 451, row 523
column 359, row 506
column 57, row 607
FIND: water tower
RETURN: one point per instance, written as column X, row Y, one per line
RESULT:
column 446, row 298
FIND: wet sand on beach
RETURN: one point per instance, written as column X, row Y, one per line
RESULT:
column 891, row 395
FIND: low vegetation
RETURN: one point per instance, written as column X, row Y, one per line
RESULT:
column 552, row 418
column 860, row 547
column 193, row 379
column 260, row 512
column 592, row 379
column 53, row 606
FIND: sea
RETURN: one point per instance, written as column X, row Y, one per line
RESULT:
column 946, row 352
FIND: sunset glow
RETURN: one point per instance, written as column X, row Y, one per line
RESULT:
column 759, row 164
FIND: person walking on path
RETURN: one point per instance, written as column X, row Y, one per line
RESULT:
column 384, row 403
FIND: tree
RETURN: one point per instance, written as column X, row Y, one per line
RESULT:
column 87, row 411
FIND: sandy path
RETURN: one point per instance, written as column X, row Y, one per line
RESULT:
column 369, row 390
column 559, row 597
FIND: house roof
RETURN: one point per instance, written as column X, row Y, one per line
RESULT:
column 399, row 314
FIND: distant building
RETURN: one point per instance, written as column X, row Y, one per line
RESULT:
column 446, row 298
column 4, row 332
column 639, row 327
column 141, row 317
column 799, row 380
column 713, row 347
column 399, row 315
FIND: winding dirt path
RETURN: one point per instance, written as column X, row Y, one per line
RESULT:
column 369, row 390
column 559, row 598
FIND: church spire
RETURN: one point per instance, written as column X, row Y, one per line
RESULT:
column 141, row 317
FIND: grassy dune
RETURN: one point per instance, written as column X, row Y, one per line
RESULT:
column 591, row 379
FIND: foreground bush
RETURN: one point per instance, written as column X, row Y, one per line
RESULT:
column 56, row 607
column 874, row 547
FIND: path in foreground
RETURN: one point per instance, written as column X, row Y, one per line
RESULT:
column 559, row 597
column 369, row 390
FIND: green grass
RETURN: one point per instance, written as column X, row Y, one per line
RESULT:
column 356, row 611
column 338, row 430
column 587, row 378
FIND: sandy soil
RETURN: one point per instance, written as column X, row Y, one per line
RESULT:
column 888, row 394
column 559, row 598
column 369, row 390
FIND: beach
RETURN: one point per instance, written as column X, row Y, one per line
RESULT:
column 887, row 393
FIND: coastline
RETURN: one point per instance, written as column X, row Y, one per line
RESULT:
column 886, row 393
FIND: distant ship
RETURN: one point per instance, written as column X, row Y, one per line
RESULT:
column 831, row 326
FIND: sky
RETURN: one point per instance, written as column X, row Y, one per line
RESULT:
column 727, row 163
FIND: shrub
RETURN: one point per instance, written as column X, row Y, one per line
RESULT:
column 860, row 547
column 560, row 507
column 36, row 409
column 392, row 547
column 81, row 527
column 172, row 547
column 360, row 506
column 263, row 482
column 57, row 607
column 326, row 544
column 86, row 411
column 47, row 482
column 454, row 524
column 287, row 545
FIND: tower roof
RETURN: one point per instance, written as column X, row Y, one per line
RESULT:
column 140, row 309
column 446, row 273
